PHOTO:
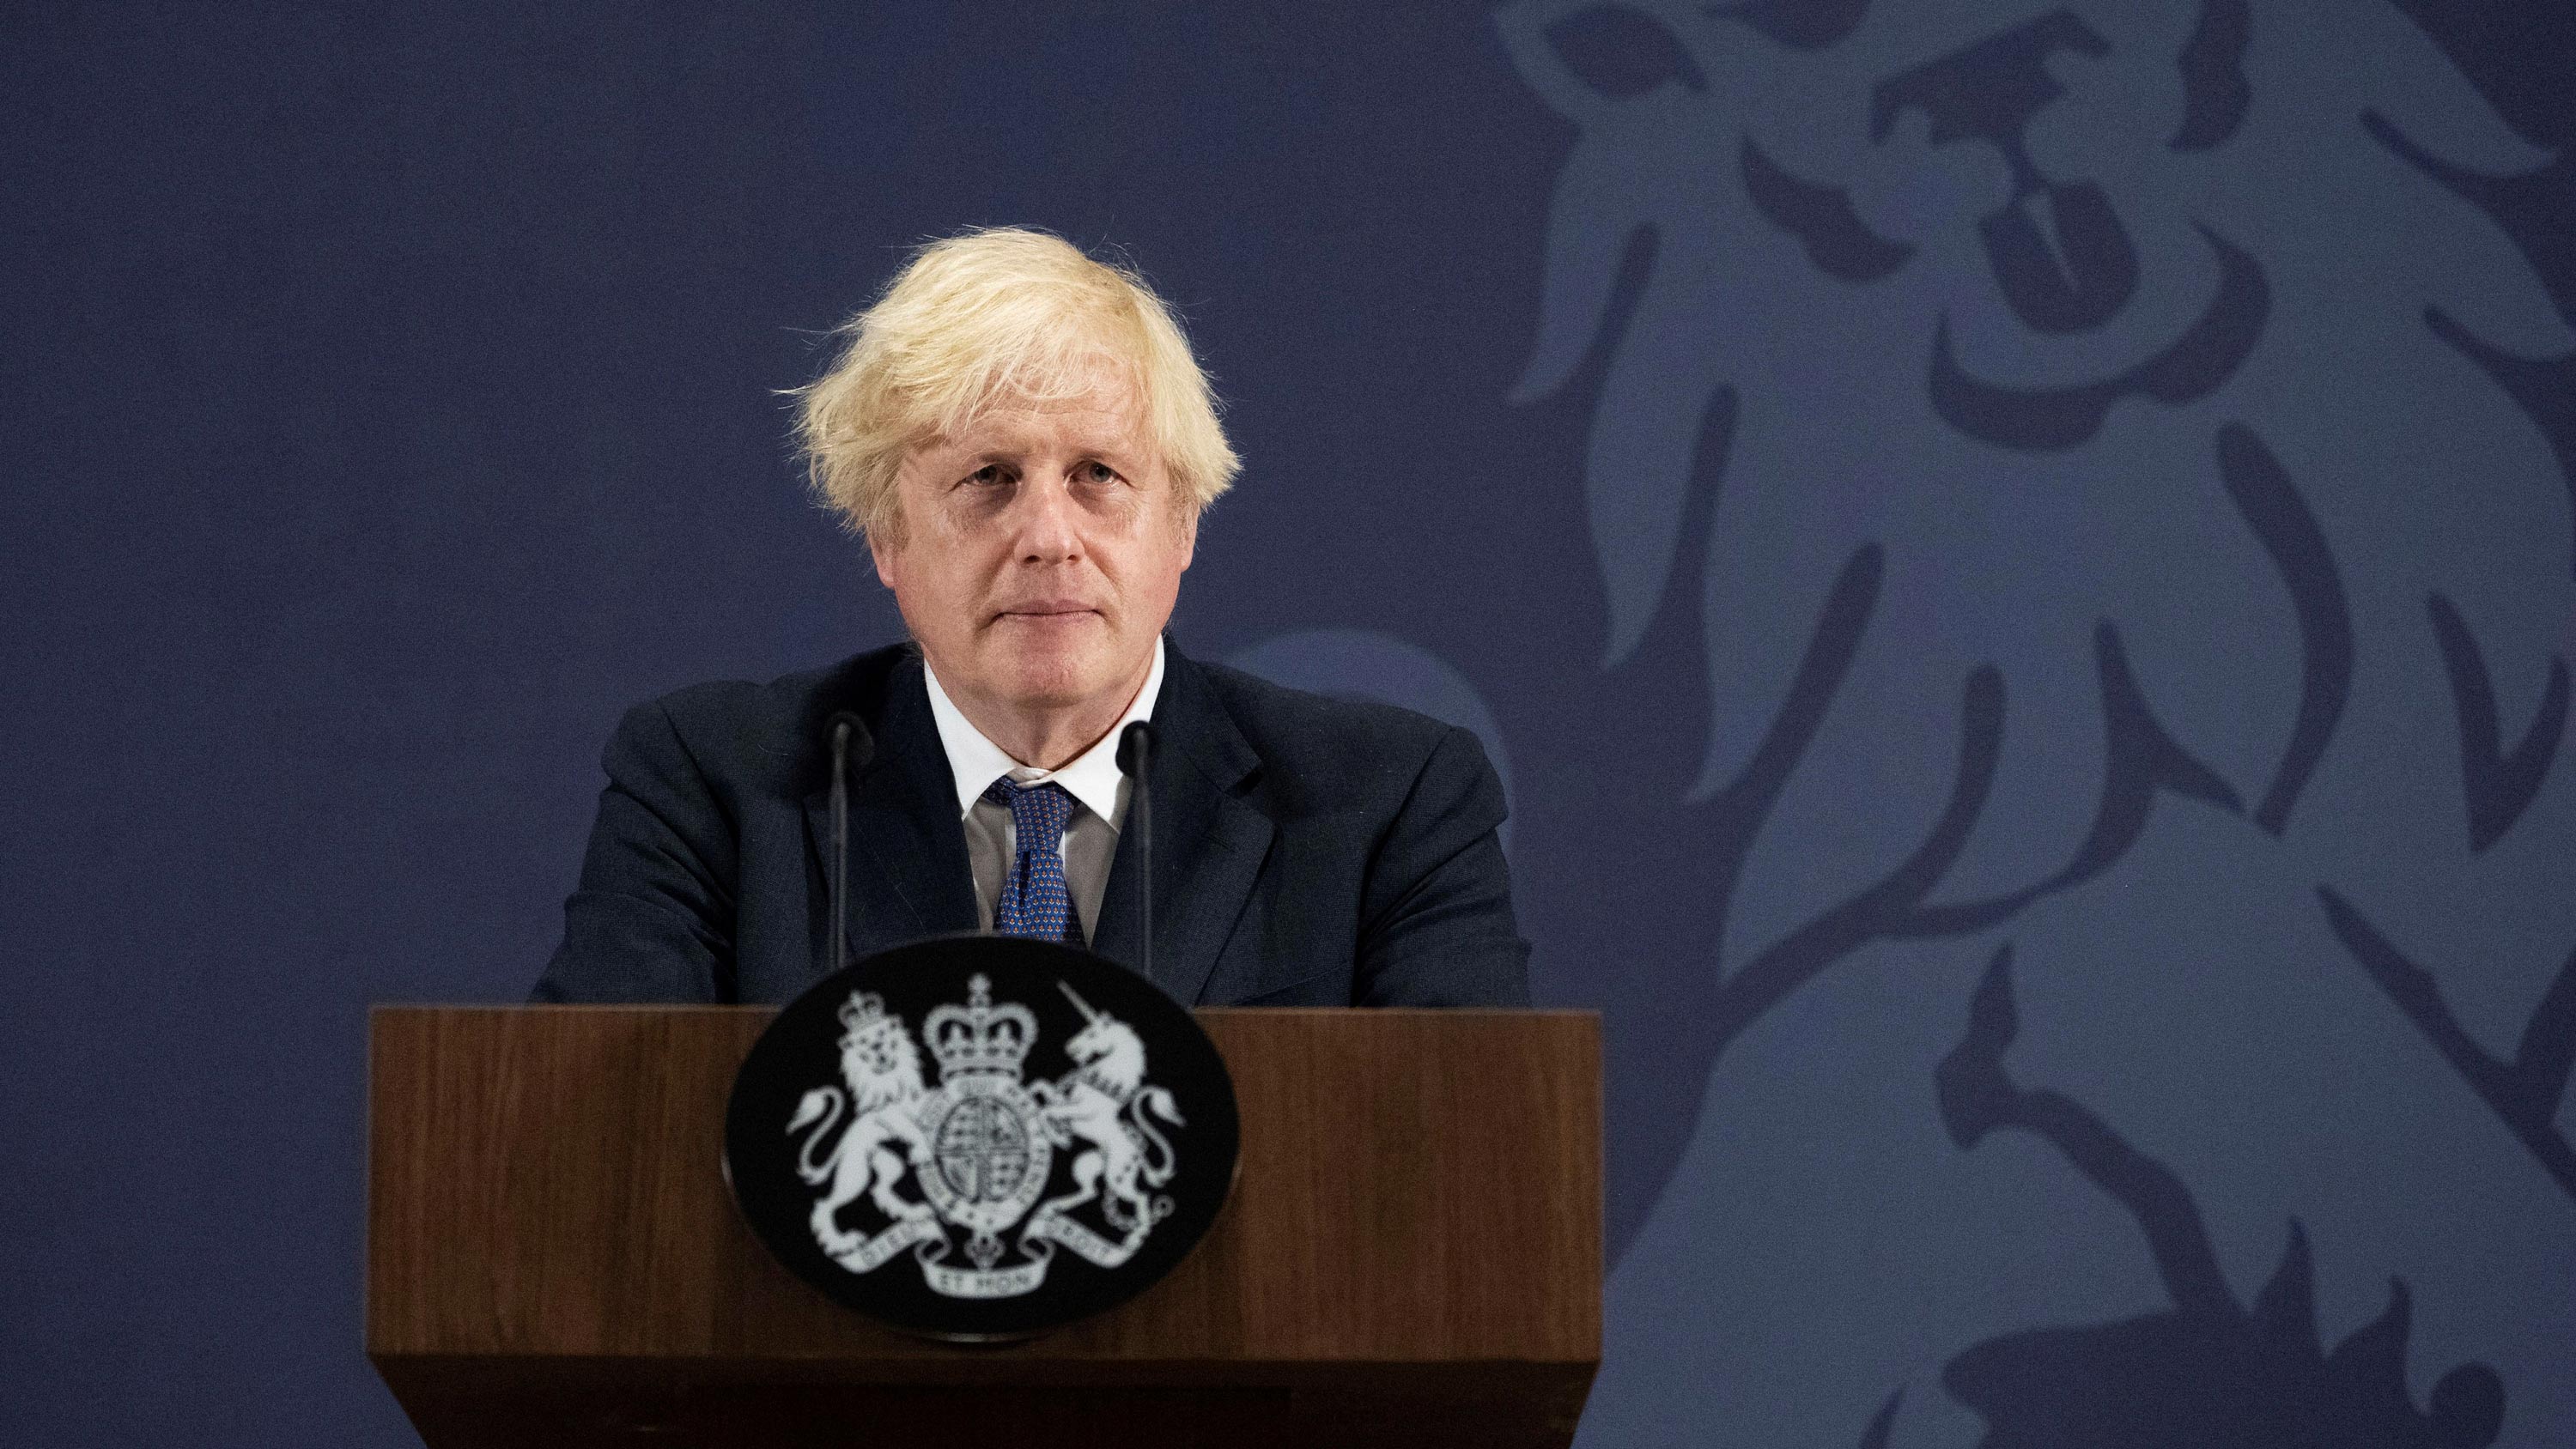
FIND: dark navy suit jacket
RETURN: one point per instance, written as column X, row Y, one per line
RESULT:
column 1307, row 851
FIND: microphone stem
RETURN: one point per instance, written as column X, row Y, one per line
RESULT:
column 1142, row 807
column 1136, row 757
column 840, row 847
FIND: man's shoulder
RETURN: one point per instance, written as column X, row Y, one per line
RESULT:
column 1299, row 734
column 858, row 683
column 1257, row 704
column 767, row 732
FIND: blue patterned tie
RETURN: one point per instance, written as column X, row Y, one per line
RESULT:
column 1034, row 901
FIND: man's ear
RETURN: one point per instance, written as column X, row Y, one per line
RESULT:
column 1189, row 537
column 883, row 554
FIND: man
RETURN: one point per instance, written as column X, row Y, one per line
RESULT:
column 1024, row 440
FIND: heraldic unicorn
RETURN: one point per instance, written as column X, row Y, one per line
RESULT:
column 982, row 1148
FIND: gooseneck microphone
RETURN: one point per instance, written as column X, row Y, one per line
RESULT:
column 852, row 747
column 1135, row 755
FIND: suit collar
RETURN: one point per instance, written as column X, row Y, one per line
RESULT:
column 1209, row 840
column 908, row 874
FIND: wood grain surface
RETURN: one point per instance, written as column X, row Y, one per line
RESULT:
column 1411, row 1253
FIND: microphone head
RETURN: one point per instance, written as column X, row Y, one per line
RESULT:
column 1135, row 746
column 847, row 733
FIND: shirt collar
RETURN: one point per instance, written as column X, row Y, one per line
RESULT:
column 1092, row 777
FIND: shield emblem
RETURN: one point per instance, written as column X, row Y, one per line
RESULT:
column 980, row 1136
column 989, row 1153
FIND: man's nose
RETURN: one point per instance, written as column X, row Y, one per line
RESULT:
column 1047, row 518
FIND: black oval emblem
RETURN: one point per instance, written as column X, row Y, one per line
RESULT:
column 981, row 1136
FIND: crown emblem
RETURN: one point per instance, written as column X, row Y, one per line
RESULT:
column 980, row 1037
column 864, row 1022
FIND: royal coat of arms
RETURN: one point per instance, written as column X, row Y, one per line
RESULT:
column 959, row 1175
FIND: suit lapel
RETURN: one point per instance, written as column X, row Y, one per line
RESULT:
column 908, row 872
column 1209, row 841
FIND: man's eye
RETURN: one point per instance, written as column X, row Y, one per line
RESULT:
column 1098, row 472
column 989, row 475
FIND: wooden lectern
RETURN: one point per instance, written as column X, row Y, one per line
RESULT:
column 1412, row 1254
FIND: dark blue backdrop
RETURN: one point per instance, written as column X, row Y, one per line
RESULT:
column 2018, row 557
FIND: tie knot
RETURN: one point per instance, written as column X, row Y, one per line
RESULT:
column 1038, row 812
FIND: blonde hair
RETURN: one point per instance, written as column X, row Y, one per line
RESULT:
column 1000, row 313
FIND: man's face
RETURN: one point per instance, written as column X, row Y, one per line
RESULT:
column 1042, row 549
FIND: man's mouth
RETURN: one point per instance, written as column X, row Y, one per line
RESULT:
column 1041, row 611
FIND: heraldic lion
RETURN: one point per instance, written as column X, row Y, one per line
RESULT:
column 883, row 1071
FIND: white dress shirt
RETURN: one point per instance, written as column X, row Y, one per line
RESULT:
column 1092, row 778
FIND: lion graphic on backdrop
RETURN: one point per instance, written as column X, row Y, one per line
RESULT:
column 2058, row 420
column 867, row 1157
column 2150, row 340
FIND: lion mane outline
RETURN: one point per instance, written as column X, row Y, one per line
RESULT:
column 881, row 1069
column 2079, row 305
column 1694, row 486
